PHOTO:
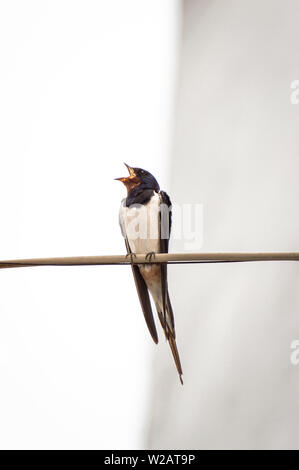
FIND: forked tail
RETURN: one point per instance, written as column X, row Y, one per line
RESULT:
column 167, row 322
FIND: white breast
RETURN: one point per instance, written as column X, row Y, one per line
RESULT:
column 140, row 225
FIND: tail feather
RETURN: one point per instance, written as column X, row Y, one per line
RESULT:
column 165, row 314
column 175, row 353
column 167, row 323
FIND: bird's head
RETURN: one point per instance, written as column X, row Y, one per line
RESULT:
column 139, row 177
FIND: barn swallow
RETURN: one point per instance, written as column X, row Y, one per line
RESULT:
column 145, row 221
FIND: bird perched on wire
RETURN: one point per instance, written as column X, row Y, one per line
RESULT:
column 145, row 221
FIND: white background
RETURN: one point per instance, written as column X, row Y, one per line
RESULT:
column 84, row 86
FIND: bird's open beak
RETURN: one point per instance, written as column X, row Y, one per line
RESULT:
column 127, row 178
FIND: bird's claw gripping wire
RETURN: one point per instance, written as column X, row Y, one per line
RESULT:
column 131, row 256
column 149, row 256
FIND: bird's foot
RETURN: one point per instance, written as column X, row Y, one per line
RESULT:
column 131, row 256
column 149, row 256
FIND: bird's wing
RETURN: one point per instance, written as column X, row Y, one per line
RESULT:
column 165, row 229
column 142, row 291
column 165, row 221
column 144, row 299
